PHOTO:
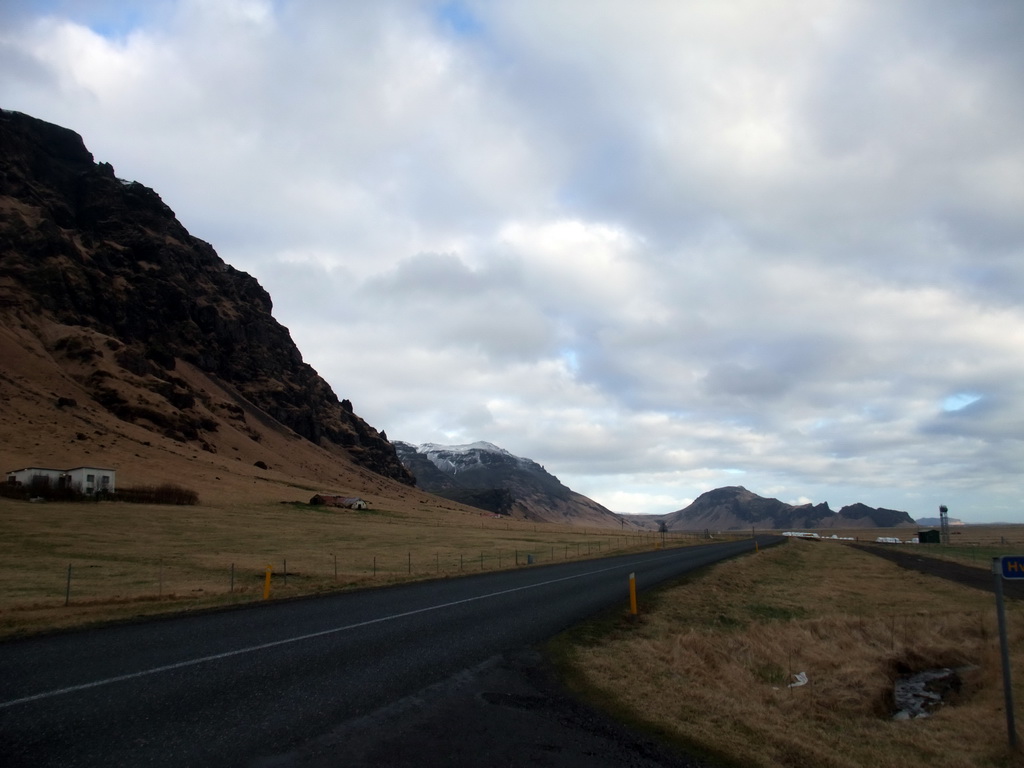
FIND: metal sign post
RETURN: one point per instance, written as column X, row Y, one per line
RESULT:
column 1006, row 567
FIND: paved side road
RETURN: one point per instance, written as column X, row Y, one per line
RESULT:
column 915, row 558
column 241, row 687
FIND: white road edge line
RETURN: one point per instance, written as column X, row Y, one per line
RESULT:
column 289, row 640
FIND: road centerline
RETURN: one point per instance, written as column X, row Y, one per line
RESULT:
column 300, row 638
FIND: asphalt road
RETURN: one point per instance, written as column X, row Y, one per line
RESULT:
column 240, row 687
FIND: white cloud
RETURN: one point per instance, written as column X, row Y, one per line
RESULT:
column 658, row 250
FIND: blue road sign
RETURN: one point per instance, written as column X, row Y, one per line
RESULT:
column 1012, row 566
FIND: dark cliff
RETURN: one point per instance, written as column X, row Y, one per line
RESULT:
column 81, row 249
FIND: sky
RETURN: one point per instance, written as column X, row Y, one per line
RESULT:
column 659, row 247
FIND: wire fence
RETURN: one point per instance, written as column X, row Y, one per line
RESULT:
column 242, row 576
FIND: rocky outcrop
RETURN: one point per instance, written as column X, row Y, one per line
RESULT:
column 863, row 515
column 121, row 295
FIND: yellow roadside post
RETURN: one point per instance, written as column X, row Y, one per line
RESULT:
column 632, row 594
column 266, row 583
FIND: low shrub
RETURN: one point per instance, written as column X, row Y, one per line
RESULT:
column 41, row 488
column 167, row 493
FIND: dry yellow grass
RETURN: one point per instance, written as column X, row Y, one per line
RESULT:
column 130, row 560
column 709, row 661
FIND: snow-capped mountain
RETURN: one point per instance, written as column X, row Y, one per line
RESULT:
column 488, row 477
column 453, row 459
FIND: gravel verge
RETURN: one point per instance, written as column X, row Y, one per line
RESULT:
column 509, row 711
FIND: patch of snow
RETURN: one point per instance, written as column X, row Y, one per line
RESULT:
column 453, row 458
column 480, row 445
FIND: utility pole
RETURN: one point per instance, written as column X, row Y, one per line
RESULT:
column 943, row 524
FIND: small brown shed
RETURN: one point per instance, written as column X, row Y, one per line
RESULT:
column 346, row 502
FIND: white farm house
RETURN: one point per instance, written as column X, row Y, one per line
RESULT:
column 87, row 480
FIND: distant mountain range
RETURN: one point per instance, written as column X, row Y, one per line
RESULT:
column 492, row 479
column 736, row 508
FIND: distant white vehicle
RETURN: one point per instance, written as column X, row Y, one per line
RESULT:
column 801, row 535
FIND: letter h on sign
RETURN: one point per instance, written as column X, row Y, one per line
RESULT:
column 1012, row 566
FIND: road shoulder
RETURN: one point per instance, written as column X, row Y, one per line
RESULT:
column 509, row 711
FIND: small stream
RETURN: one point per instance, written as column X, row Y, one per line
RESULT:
column 920, row 694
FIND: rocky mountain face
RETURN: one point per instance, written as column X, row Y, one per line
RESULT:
column 98, row 277
column 490, row 478
column 736, row 508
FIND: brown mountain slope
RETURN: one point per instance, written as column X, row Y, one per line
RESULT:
column 125, row 342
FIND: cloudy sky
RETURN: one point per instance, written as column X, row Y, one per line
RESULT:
column 659, row 247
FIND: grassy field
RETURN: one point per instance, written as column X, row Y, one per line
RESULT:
column 131, row 560
column 708, row 662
